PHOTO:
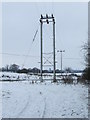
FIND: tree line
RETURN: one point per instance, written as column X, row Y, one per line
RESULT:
column 16, row 68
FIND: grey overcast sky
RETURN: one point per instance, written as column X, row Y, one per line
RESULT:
column 21, row 20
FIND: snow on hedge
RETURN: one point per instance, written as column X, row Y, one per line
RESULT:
column 17, row 76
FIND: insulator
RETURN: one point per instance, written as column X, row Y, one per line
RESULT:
column 46, row 16
column 41, row 16
column 47, row 21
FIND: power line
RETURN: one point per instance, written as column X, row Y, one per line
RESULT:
column 52, row 5
column 19, row 55
column 30, row 48
column 73, row 58
column 35, row 35
column 12, row 54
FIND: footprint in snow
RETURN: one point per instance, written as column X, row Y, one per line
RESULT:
column 63, row 114
column 40, row 92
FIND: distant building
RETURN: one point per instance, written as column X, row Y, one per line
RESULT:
column 50, row 70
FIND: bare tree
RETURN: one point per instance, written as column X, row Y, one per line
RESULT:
column 68, row 70
column 86, row 73
column 7, row 67
column 14, row 68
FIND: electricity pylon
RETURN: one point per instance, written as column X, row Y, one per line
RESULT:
column 47, row 19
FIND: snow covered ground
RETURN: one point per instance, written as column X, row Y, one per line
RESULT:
column 16, row 76
column 5, row 76
column 21, row 99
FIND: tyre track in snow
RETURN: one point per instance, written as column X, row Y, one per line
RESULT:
column 24, row 108
column 27, row 105
column 44, row 111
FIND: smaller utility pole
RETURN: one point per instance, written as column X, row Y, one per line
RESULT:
column 61, row 51
column 41, row 71
column 54, row 62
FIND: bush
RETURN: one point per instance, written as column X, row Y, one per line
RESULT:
column 86, row 75
column 68, row 79
column 24, row 70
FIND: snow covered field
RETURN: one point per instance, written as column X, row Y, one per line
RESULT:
column 21, row 99
column 5, row 76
